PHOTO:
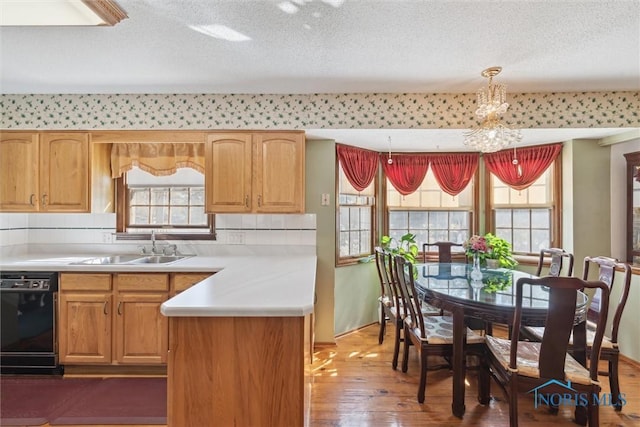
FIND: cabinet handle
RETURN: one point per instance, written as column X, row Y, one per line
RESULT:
column 119, row 305
column 246, row 201
column 44, row 200
column 31, row 198
column 104, row 309
column 259, row 201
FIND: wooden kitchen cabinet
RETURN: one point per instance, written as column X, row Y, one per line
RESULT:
column 141, row 331
column 260, row 172
column 53, row 172
column 113, row 319
column 19, row 165
column 84, row 327
column 182, row 281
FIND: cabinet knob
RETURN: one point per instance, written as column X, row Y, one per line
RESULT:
column 104, row 309
column 118, row 309
column 44, row 200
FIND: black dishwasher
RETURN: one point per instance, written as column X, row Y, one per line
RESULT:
column 28, row 323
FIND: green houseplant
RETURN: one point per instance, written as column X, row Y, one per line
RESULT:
column 406, row 246
column 499, row 249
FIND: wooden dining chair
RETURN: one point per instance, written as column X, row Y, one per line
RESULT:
column 431, row 335
column 543, row 367
column 606, row 273
column 557, row 256
column 389, row 302
column 445, row 254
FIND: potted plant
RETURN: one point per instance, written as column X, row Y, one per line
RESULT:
column 406, row 246
column 500, row 251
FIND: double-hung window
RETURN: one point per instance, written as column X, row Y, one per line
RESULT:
column 528, row 219
column 430, row 213
column 356, row 214
column 171, row 205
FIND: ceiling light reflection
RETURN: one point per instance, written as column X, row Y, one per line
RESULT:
column 288, row 7
column 220, row 32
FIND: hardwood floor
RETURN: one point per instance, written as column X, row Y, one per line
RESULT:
column 352, row 384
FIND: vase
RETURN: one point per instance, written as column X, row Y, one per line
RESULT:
column 476, row 274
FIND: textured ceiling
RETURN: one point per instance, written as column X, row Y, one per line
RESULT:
column 333, row 46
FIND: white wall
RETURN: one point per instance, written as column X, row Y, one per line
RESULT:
column 94, row 232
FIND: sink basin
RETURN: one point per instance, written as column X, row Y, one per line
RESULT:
column 113, row 259
column 158, row 259
column 133, row 259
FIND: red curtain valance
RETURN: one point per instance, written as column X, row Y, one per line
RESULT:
column 454, row 171
column 532, row 162
column 359, row 165
column 406, row 172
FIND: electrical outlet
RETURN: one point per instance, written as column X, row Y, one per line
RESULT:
column 235, row 238
column 107, row 237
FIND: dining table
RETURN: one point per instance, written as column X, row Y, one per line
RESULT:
column 449, row 286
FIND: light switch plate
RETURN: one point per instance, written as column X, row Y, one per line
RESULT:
column 325, row 199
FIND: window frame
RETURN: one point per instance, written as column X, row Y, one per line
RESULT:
column 555, row 207
column 122, row 221
column 355, row 259
column 474, row 219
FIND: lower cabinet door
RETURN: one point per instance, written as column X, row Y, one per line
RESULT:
column 85, row 327
column 141, row 331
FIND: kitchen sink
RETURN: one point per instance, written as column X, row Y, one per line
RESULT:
column 113, row 259
column 159, row 259
column 133, row 259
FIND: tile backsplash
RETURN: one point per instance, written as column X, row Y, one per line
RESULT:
column 17, row 229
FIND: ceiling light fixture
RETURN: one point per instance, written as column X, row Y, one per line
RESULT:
column 492, row 135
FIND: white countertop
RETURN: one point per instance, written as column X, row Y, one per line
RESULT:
column 251, row 286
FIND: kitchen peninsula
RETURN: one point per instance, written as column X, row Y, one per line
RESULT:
column 238, row 340
column 237, row 344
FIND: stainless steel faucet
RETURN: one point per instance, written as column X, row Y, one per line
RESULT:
column 153, row 242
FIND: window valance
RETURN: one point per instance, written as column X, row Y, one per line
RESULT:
column 454, row 171
column 406, row 171
column 530, row 165
column 359, row 165
column 157, row 159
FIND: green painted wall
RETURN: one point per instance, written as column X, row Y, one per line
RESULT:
column 320, row 178
column 587, row 200
column 356, row 292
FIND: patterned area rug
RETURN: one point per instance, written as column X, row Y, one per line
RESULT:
column 29, row 400
column 83, row 401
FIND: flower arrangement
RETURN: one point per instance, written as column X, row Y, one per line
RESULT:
column 476, row 245
column 490, row 246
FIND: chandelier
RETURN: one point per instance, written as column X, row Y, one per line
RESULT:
column 491, row 135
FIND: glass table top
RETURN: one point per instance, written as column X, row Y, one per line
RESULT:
column 497, row 287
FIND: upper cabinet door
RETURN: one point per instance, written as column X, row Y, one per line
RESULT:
column 64, row 172
column 228, row 172
column 19, row 172
column 279, row 172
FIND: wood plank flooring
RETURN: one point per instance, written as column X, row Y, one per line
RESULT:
column 352, row 384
